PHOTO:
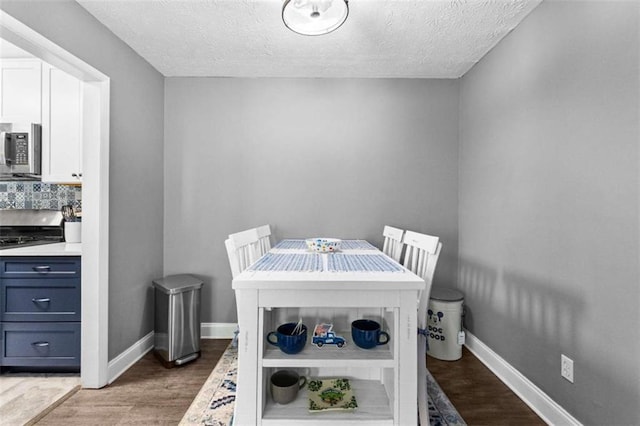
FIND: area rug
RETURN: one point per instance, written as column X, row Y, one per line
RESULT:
column 214, row 404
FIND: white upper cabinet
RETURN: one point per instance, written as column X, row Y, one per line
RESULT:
column 32, row 91
column 61, row 126
column 20, row 91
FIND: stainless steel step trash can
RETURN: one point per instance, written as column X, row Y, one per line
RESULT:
column 444, row 321
column 177, row 319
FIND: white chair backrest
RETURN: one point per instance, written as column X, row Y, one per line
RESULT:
column 421, row 249
column 423, row 302
column 243, row 248
column 421, row 258
column 233, row 258
column 264, row 237
column 392, row 245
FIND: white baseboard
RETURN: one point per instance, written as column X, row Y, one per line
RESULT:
column 545, row 407
column 217, row 330
column 126, row 359
column 121, row 363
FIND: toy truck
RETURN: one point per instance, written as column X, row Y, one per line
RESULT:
column 323, row 335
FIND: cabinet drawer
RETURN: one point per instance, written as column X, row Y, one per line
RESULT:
column 36, row 299
column 40, row 266
column 35, row 344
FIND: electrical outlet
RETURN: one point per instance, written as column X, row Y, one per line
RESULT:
column 566, row 367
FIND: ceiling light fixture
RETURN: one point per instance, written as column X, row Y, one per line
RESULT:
column 314, row 17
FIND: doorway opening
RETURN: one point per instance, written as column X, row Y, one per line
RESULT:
column 95, row 193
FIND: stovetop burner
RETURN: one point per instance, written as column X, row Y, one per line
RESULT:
column 26, row 241
column 24, row 228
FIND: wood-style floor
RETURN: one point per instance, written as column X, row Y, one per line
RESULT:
column 149, row 394
column 146, row 394
column 478, row 395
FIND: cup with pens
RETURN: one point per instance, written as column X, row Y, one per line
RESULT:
column 290, row 337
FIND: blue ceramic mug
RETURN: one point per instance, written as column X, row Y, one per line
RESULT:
column 368, row 334
column 286, row 340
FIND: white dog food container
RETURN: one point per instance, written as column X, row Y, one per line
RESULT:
column 444, row 323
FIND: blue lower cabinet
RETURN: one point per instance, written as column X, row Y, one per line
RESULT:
column 40, row 266
column 52, row 299
column 41, row 345
column 40, row 312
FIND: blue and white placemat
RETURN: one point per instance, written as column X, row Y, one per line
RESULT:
column 344, row 245
column 356, row 245
column 288, row 262
column 291, row 245
column 338, row 262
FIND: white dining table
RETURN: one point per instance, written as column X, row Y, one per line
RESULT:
column 358, row 281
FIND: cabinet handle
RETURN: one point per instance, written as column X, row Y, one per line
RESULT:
column 43, row 268
column 76, row 175
column 41, row 344
column 41, row 300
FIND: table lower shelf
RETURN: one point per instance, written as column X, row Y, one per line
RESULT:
column 349, row 355
column 374, row 408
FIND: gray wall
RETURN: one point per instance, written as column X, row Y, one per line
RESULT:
column 136, row 157
column 549, row 199
column 310, row 157
column 548, row 184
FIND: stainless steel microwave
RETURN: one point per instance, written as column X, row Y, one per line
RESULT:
column 20, row 152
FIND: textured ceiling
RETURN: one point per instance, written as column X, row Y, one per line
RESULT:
column 246, row 38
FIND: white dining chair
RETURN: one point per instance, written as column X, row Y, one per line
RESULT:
column 393, row 244
column 421, row 258
column 233, row 258
column 243, row 248
column 264, row 237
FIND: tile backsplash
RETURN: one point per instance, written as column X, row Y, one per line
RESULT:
column 38, row 195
